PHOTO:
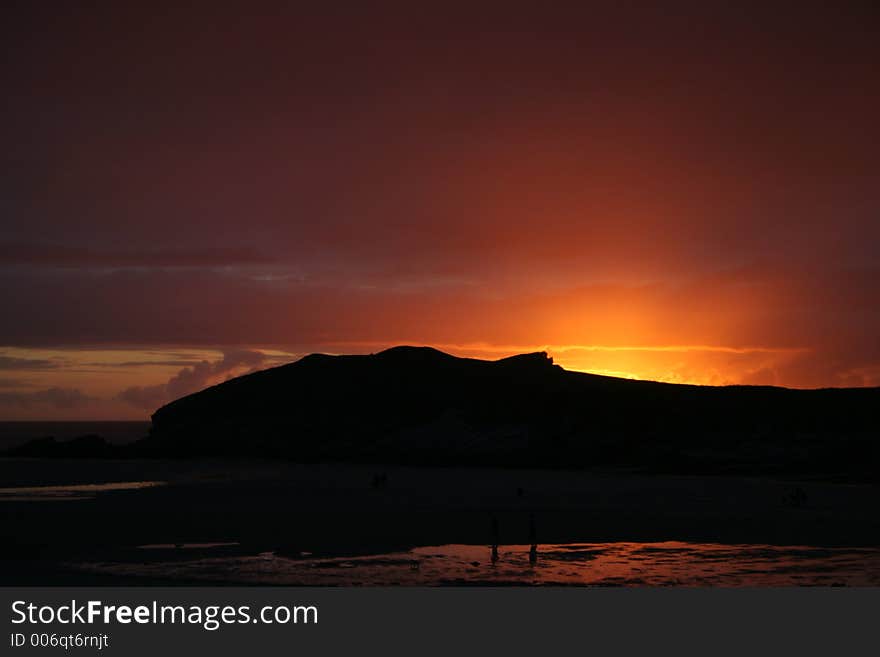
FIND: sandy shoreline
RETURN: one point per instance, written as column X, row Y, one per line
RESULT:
column 336, row 509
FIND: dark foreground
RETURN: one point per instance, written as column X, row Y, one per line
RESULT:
column 184, row 510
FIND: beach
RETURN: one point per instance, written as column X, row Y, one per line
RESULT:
column 58, row 514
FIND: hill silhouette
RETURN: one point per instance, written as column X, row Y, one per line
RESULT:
column 420, row 405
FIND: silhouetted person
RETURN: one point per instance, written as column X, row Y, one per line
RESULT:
column 494, row 537
column 533, row 540
column 796, row 497
column 520, row 492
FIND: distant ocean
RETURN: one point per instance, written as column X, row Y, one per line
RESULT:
column 16, row 433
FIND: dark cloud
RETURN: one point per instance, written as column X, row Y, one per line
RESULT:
column 14, row 363
column 56, row 398
column 44, row 255
column 128, row 364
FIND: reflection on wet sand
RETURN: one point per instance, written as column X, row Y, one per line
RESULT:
column 69, row 492
column 590, row 564
column 186, row 546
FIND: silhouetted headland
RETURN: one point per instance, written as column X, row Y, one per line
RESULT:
column 87, row 446
column 418, row 405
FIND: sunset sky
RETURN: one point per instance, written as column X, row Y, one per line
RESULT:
column 671, row 191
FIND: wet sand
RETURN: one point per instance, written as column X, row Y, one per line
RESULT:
column 568, row 564
column 337, row 510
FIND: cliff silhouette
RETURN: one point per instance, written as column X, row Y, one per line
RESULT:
column 421, row 406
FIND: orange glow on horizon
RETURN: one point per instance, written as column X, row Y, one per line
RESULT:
column 686, row 364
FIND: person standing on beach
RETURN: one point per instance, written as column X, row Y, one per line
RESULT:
column 533, row 540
